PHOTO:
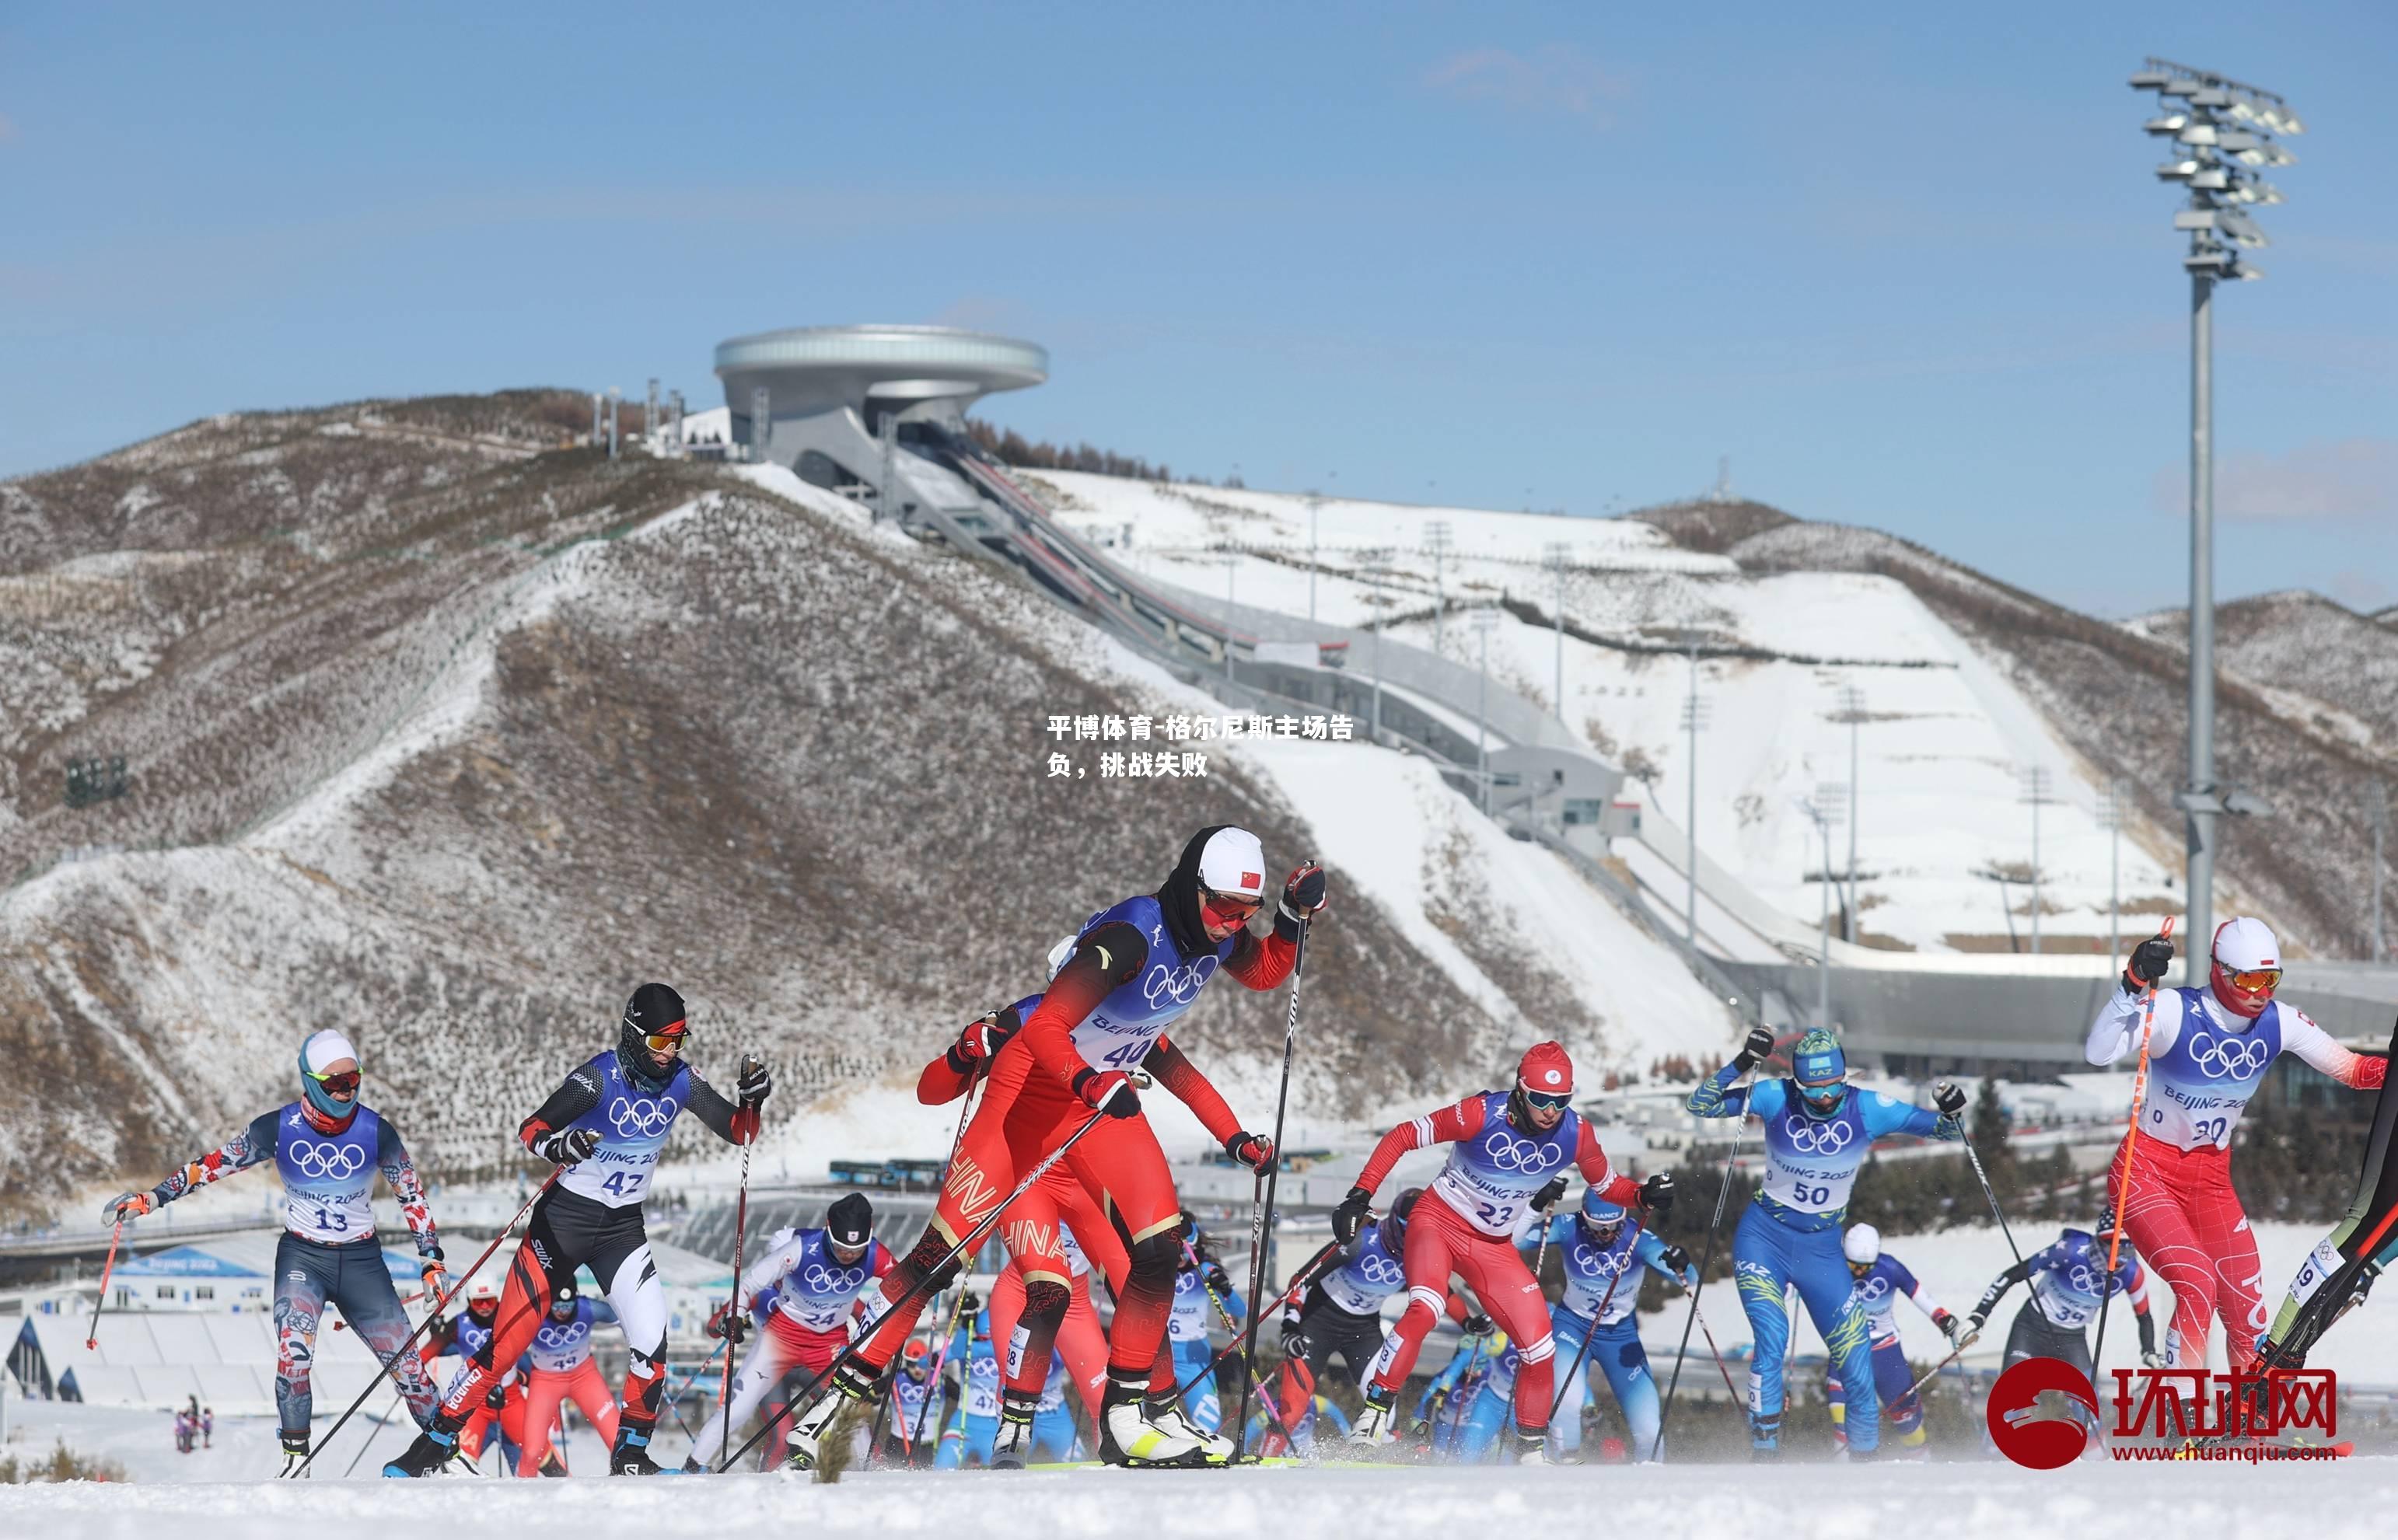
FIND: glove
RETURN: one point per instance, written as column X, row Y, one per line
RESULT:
column 1549, row 1194
column 568, row 1146
column 982, row 1039
column 1350, row 1217
column 1253, row 1150
column 1109, row 1091
column 1475, row 1326
column 127, row 1205
column 1302, row 895
column 727, row 1323
column 971, row 1305
column 1974, row 1321
column 2154, row 1359
column 1294, row 1341
column 2150, row 960
column 1219, row 1279
column 496, row 1398
column 1677, row 1260
column 1948, row 1324
column 755, row 1084
column 1756, row 1050
column 436, row 1279
column 1657, row 1194
column 1948, row 1099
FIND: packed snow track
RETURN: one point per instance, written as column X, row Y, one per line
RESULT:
column 1966, row 1502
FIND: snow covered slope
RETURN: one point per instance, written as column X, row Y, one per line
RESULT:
column 1943, row 745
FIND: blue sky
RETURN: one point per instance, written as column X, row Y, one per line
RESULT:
column 1904, row 273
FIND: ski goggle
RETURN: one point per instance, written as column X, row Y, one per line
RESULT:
column 345, row 1083
column 1547, row 1100
column 669, row 1042
column 1824, row 1098
column 1228, row 908
column 2255, row 981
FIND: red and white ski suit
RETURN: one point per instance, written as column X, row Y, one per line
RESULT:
column 2204, row 1063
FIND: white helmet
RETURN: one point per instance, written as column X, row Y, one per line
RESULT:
column 1863, row 1245
column 2245, row 966
column 1233, row 863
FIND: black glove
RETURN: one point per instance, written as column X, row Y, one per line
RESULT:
column 1475, row 1326
column 1975, row 1320
column 727, row 1323
column 1547, row 1197
column 1302, row 895
column 1948, row 1099
column 496, row 1398
column 1294, row 1341
column 755, row 1084
column 568, row 1146
column 1253, row 1150
column 2150, row 960
column 1756, row 1050
column 1219, row 1279
column 1948, row 1324
column 1676, row 1259
column 1350, row 1217
column 1108, row 1092
column 1657, row 1194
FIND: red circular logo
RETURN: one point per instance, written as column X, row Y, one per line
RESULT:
column 2020, row 1430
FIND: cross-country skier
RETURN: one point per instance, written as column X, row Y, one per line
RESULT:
column 1511, row 1152
column 1133, row 970
column 974, row 1358
column 1818, row 1128
column 913, row 1430
column 1881, row 1281
column 2208, row 1050
column 502, row 1413
column 327, row 1147
column 1598, row 1251
column 561, row 1370
column 2343, row 1265
column 1202, row 1288
column 1440, row 1413
column 808, row 1286
column 2069, row 1283
column 604, row 1129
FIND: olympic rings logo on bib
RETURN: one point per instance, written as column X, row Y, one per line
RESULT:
column 1179, row 984
column 2080, row 1279
column 2234, row 1058
column 1524, row 1155
column 639, row 1117
column 334, row 1160
column 558, row 1337
column 1383, row 1272
column 821, row 1279
column 1812, row 1138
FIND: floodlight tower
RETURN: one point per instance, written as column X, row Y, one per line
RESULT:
column 2220, row 131
column 1440, row 540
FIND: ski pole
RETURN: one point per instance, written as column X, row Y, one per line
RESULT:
column 1262, row 1219
column 1631, row 1260
column 405, row 1301
column 808, row 1394
column 91, row 1338
column 2131, row 1143
column 1715, row 1225
column 1954, row 1354
column 409, row 1343
column 368, row 1443
column 1231, row 1326
column 1721, row 1368
column 1298, row 1281
column 740, row 1234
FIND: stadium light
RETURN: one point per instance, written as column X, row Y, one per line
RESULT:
column 2216, row 122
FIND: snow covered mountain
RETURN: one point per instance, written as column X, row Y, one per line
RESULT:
column 449, row 735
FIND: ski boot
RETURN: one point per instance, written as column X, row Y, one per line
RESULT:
column 1533, row 1447
column 1166, row 1413
column 1013, row 1445
column 1128, row 1438
column 690, row 1465
column 631, row 1456
column 853, row 1383
column 428, row 1455
column 295, row 1455
column 553, row 1463
column 1374, row 1430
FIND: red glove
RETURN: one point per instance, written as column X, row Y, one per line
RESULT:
column 1108, row 1090
column 1253, row 1150
column 1302, row 894
column 982, row 1038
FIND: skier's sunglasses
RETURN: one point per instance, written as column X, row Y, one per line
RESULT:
column 343, row 1084
column 1549, row 1101
column 2255, row 979
column 669, row 1042
column 1228, row 908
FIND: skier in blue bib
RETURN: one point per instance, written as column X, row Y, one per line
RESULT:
column 326, row 1147
column 1881, row 1281
column 1818, row 1128
column 1601, row 1252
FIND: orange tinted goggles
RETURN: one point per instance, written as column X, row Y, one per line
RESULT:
column 2257, row 981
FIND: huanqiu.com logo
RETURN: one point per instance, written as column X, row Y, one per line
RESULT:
column 2172, row 1410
